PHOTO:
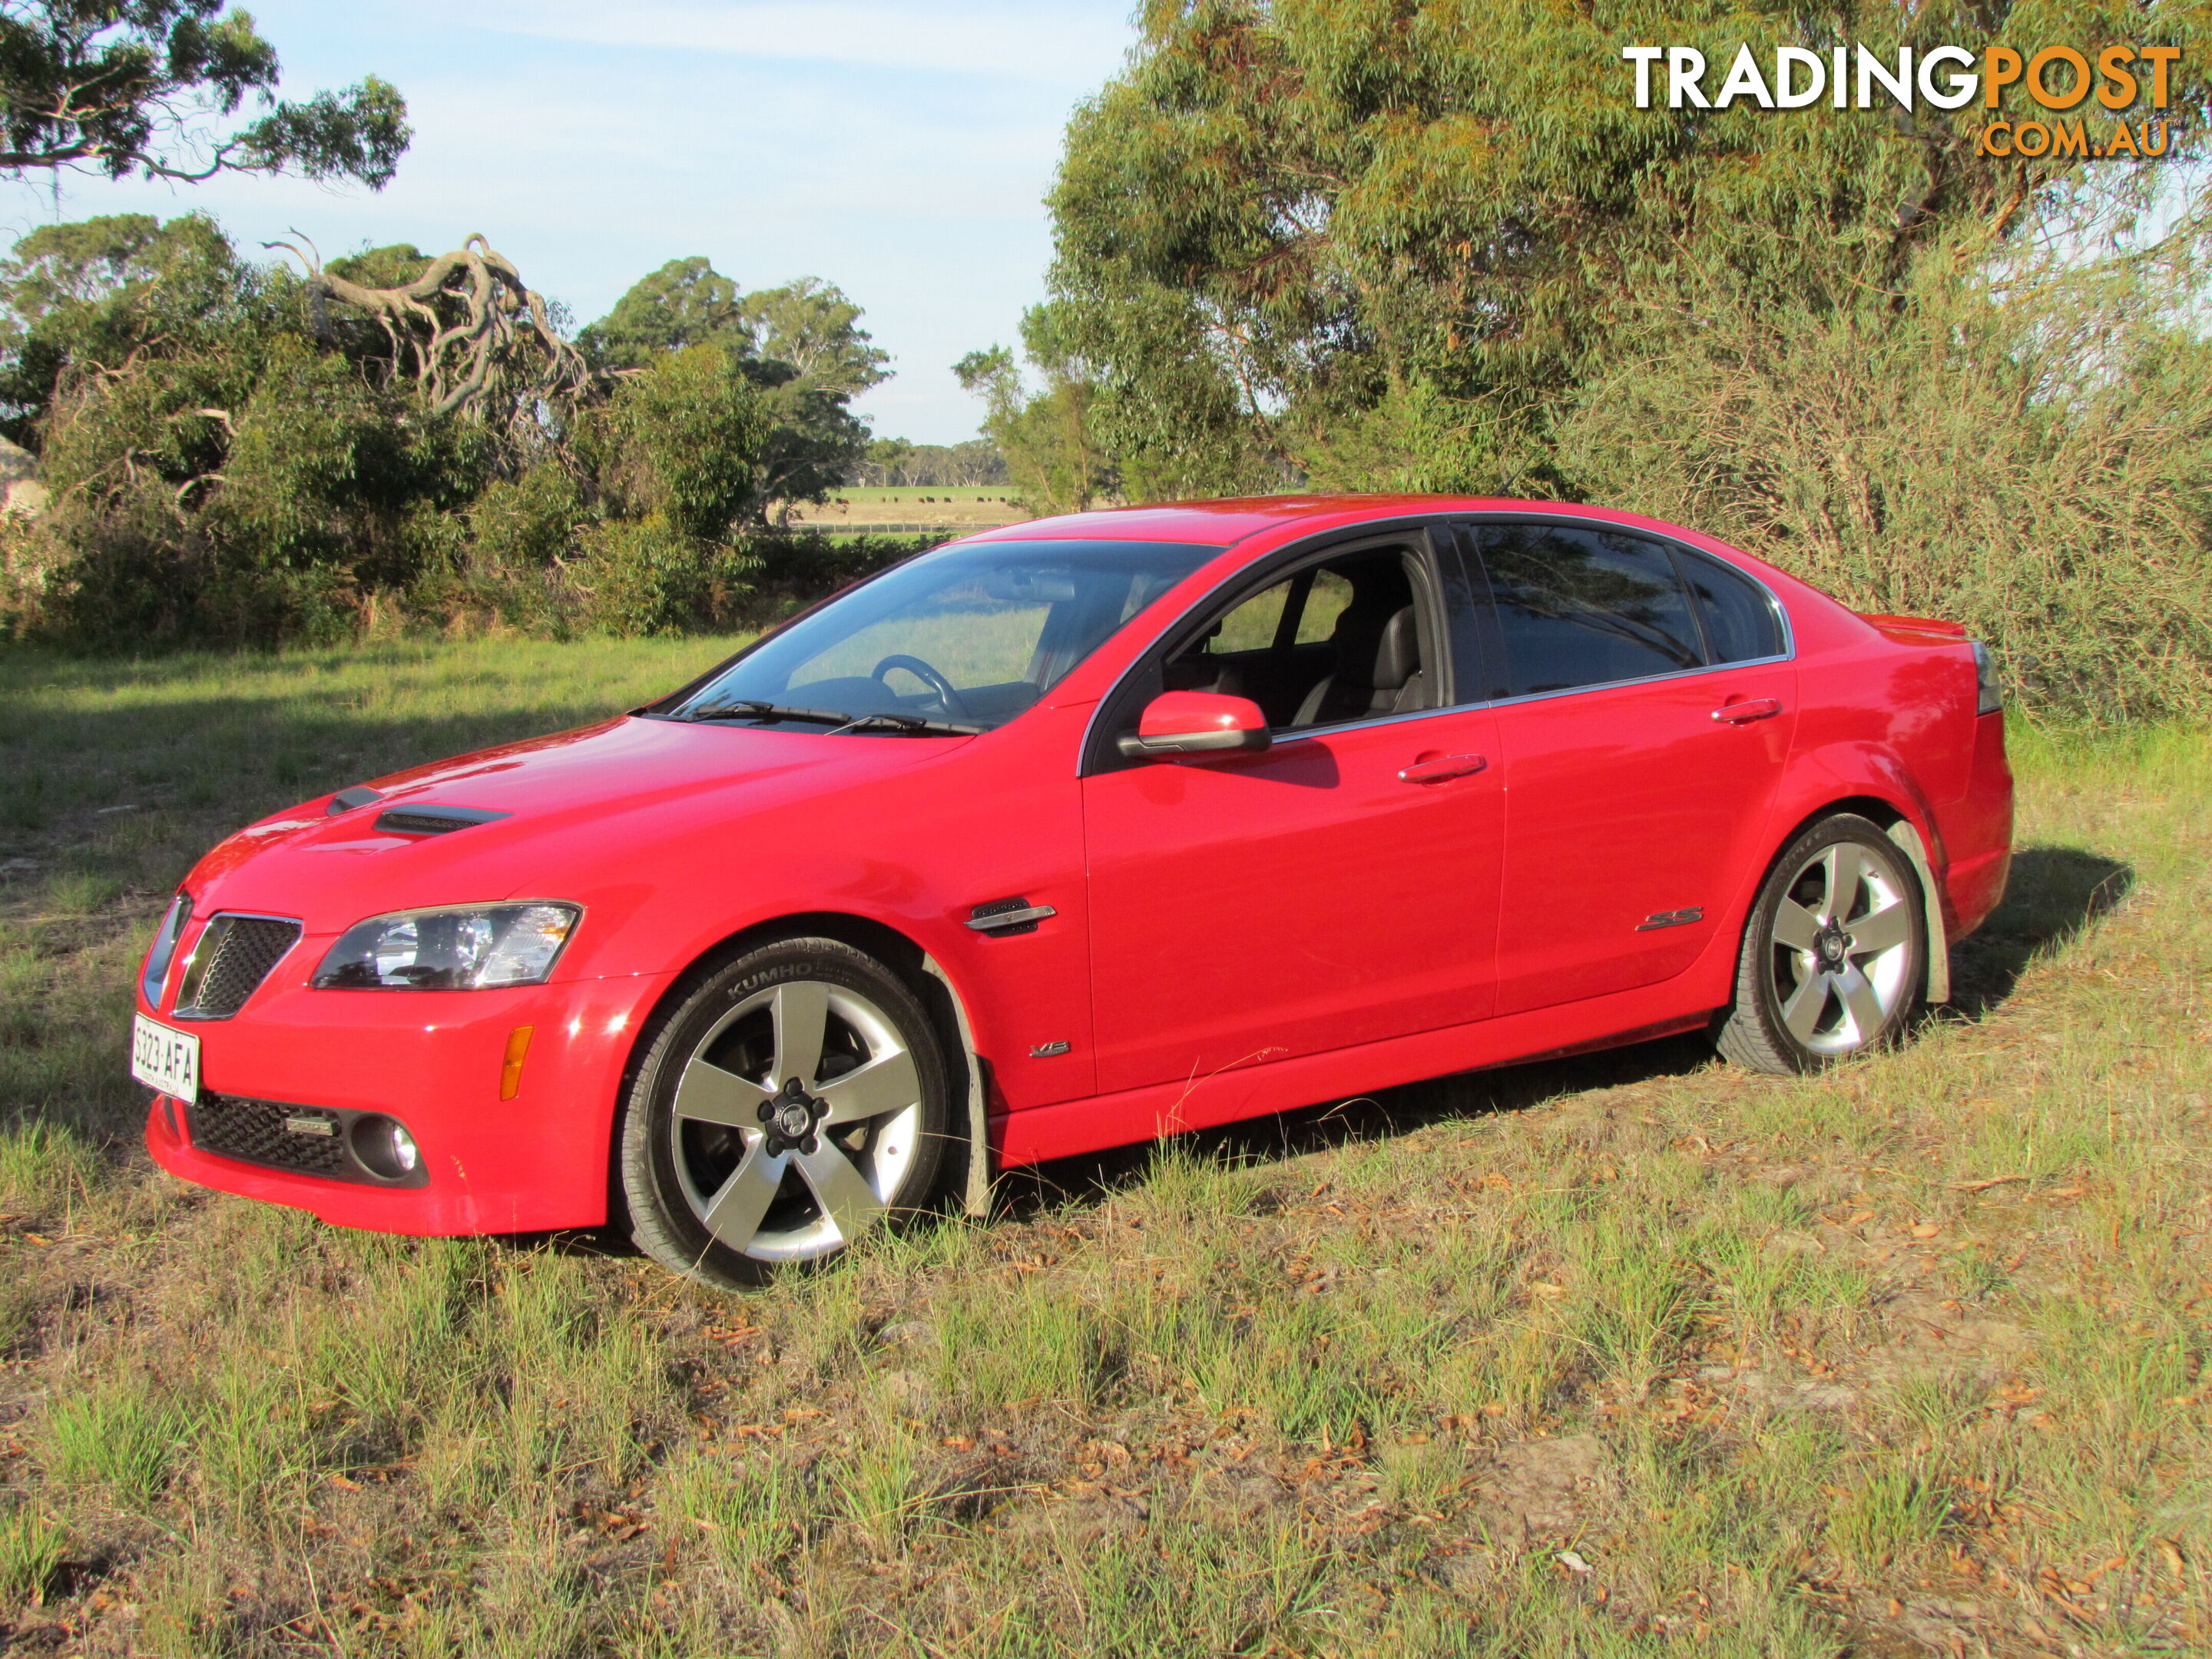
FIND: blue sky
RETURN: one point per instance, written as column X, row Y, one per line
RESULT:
column 899, row 149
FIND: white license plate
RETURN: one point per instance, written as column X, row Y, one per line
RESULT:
column 165, row 1060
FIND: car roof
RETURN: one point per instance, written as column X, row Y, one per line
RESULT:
column 1223, row 522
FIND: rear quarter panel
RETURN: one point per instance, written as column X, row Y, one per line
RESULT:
column 1888, row 711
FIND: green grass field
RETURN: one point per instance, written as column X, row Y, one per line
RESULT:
column 1633, row 1354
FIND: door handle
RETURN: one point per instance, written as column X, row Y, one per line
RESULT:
column 1751, row 708
column 1443, row 767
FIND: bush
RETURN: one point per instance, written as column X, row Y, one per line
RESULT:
column 630, row 577
column 529, row 520
column 645, row 576
column 679, row 442
column 2030, row 454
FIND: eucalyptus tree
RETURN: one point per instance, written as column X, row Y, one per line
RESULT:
column 799, row 342
column 1383, row 242
column 153, row 87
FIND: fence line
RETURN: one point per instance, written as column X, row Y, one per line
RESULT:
column 839, row 527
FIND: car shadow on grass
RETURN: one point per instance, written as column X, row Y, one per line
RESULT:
column 2054, row 894
column 2053, row 897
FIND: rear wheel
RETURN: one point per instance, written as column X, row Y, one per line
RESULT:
column 1835, row 952
column 796, row 1099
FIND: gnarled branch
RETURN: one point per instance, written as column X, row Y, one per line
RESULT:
column 458, row 327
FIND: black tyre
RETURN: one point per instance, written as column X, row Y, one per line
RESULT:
column 796, row 1097
column 1835, row 952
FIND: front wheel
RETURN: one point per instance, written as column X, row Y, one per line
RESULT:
column 1835, row 952
column 795, row 1100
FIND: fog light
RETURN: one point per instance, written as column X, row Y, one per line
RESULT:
column 383, row 1148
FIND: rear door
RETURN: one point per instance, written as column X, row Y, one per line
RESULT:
column 1646, row 703
column 1338, row 887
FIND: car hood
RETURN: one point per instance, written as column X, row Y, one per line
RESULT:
column 544, row 806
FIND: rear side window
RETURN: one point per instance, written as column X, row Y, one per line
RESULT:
column 1741, row 625
column 1586, row 607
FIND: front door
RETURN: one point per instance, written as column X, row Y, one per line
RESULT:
column 1336, row 889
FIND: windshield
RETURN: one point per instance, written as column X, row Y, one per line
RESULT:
column 960, row 640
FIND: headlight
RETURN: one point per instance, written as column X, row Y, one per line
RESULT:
column 165, row 948
column 1988, row 696
column 469, row 948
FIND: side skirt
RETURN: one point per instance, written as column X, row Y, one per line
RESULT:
column 1075, row 1127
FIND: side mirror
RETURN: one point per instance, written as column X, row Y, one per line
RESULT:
column 1196, row 723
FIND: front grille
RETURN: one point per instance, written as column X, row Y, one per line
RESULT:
column 254, row 1131
column 337, row 1143
column 234, row 956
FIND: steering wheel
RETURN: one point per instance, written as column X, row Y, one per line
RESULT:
column 947, row 698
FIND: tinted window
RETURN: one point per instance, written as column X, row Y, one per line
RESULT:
column 1586, row 607
column 1740, row 622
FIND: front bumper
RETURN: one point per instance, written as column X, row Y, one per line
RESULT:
column 433, row 1060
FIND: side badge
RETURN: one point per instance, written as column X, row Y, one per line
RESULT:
column 1659, row 919
column 1047, row 1050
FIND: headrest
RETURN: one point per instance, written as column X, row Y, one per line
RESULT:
column 1398, row 657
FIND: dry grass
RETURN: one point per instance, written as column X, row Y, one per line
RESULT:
column 948, row 506
column 1633, row 1354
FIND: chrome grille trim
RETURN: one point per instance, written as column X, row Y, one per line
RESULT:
column 233, row 955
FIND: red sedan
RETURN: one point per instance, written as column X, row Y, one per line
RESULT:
column 1073, row 834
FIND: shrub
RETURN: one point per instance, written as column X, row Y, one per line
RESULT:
column 2030, row 454
column 645, row 576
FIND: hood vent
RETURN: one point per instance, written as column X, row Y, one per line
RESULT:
column 433, row 820
column 346, row 799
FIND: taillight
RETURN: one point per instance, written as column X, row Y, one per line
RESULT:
column 165, row 948
column 1990, row 695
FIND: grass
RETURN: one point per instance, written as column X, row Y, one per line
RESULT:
column 947, row 506
column 1631, row 1354
column 905, row 494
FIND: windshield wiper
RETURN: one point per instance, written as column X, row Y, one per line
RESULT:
column 912, row 725
column 753, row 709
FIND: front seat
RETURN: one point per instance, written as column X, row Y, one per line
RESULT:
column 1378, row 669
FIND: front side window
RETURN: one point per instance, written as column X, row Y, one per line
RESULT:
column 1586, row 607
column 1341, row 641
column 963, row 639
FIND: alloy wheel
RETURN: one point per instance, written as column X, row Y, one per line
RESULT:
column 1841, row 948
column 796, row 1122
